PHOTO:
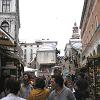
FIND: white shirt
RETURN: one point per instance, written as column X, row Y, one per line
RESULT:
column 11, row 96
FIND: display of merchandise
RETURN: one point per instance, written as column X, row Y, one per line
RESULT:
column 94, row 75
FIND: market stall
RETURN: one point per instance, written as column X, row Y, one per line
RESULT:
column 94, row 75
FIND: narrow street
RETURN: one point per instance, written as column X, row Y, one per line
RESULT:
column 51, row 47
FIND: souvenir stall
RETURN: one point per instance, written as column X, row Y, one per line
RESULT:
column 94, row 76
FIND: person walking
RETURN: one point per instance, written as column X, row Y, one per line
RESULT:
column 26, row 87
column 60, row 92
column 81, row 90
column 39, row 92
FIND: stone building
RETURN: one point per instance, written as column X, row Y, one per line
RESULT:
column 9, row 17
column 40, row 55
column 29, row 53
column 90, row 35
column 73, row 51
column 90, row 29
column 46, row 56
column 10, row 55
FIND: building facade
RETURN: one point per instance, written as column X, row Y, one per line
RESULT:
column 29, row 53
column 11, row 60
column 9, row 17
column 40, row 55
column 73, row 51
column 46, row 56
column 90, row 29
column 90, row 34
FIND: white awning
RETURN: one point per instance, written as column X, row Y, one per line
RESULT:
column 27, row 69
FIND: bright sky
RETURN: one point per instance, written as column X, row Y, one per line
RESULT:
column 49, row 19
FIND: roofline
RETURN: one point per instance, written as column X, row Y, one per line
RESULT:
column 45, row 41
column 83, row 12
column 24, row 43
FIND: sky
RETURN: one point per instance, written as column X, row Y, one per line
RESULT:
column 49, row 19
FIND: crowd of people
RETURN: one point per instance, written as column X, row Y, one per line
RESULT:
column 28, row 87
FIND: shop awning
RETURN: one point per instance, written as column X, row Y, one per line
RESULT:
column 5, row 38
column 16, row 58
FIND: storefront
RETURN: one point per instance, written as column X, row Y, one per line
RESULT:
column 93, row 64
column 10, row 61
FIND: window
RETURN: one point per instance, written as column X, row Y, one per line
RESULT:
column 90, row 54
column 92, row 26
column 94, row 53
column 25, row 55
column 98, row 49
column 5, row 5
column 5, row 26
column 31, row 45
column 31, row 55
column 96, row 19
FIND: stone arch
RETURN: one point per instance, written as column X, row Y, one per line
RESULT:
column 5, row 26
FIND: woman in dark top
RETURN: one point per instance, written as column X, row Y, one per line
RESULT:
column 81, row 92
